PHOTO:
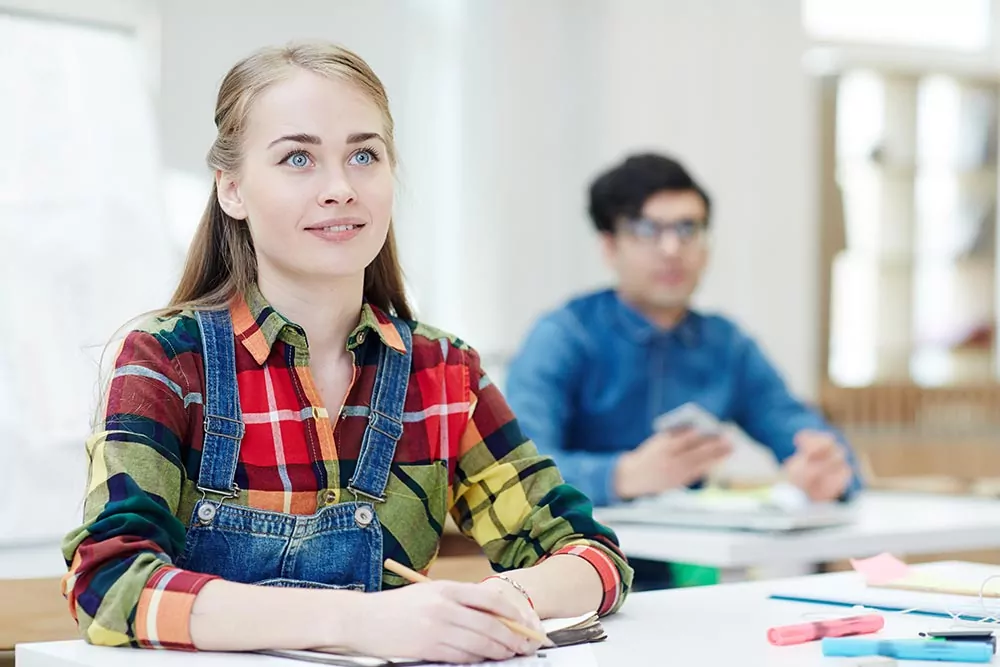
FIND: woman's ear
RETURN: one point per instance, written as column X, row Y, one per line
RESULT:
column 230, row 200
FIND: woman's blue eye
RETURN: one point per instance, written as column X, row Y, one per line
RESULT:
column 362, row 158
column 298, row 160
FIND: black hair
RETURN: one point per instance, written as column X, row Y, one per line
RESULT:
column 623, row 190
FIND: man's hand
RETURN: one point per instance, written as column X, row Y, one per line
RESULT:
column 819, row 466
column 668, row 460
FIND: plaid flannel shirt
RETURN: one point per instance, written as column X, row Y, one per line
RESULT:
column 461, row 453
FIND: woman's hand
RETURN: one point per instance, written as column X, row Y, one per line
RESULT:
column 441, row 621
column 527, row 616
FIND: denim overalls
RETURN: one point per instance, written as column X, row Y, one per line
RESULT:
column 340, row 546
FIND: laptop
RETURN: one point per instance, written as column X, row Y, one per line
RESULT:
column 773, row 509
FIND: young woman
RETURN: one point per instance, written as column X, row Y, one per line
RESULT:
column 285, row 423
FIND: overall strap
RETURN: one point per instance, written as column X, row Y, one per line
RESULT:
column 385, row 422
column 223, row 420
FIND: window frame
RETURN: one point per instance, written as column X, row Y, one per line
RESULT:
column 139, row 18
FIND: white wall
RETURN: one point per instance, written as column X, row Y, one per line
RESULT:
column 720, row 84
column 531, row 99
column 505, row 111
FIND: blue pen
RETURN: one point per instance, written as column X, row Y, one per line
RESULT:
column 908, row 649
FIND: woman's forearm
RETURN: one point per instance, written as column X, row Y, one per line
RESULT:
column 561, row 586
column 238, row 617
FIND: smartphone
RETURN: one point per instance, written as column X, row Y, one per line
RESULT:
column 689, row 415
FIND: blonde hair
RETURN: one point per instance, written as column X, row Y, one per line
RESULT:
column 221, row 261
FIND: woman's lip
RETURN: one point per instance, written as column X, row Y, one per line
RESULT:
column 336, row 235
column 337, row 222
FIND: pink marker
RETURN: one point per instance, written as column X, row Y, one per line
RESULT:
column 836, row 627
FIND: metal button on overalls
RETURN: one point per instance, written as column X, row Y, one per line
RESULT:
column 363, row 516
column 206, row 512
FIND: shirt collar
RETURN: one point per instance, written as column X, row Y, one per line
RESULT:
column 258, row 325
column 637, row 327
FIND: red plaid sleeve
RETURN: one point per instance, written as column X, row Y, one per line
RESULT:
column 611, row 581
column 163, row 615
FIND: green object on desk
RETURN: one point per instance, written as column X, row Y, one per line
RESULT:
column 685, row 575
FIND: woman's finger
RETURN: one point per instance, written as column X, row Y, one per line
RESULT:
column 486, row 625
column 483, row 598
column 479, row 643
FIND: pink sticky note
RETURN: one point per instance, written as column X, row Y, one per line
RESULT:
column 880, row 569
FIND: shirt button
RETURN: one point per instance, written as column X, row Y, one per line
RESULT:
column 361, row 337
column 330, row 497
column 363, row 516
column 206, row 512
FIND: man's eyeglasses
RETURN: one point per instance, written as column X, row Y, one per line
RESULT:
column 686, row 231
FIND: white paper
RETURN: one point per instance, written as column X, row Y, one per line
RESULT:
column 581, row 655
column 568, row 656
column 554, row 624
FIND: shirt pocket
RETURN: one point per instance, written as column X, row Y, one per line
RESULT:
column 415, row 508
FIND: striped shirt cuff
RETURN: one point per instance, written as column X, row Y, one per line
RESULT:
column 611, row 580
column 163, row 616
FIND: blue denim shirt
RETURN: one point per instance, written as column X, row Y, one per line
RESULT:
column 592, row 376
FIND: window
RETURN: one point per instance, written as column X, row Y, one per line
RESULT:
column 913, row 297
column 957, row 25
column 82, row 242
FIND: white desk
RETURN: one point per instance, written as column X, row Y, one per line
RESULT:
column 725, row 625
column 717, row 626
column 900, row 523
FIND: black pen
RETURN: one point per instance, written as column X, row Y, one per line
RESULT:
column 985, row 636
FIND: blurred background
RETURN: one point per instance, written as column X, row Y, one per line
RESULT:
column 850, row 146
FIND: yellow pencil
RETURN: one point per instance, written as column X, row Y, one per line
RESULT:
column 416, row 578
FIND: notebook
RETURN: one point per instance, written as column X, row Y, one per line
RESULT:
column 563, row 632
column 887, row 571
column 585, row 629
column 931, row 589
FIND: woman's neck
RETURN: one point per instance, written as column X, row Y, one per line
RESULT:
column 328, row 311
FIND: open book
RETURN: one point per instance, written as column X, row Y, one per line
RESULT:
column 560, row 631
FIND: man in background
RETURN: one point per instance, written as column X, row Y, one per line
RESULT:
column 592, row 376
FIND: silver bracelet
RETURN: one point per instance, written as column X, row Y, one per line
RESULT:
column 517, row 586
